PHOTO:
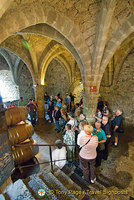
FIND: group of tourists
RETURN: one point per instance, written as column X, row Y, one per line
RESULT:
column 82, row 140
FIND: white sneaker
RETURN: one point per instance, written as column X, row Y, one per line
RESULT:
column 115, row 144
column 93, row 181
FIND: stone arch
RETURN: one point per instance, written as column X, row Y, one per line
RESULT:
column 19, row 53
column 4, row 4
column 113, row 69
column 54, row 52
column 114, row 43
column 18, row 70
column 25, row 16
column 57, row 37
column 126, row 54
column 7, row 59
column 74, row 84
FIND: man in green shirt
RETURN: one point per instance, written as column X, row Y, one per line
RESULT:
column 21, row 102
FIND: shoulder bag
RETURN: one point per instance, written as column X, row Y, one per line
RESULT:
column 85, row 143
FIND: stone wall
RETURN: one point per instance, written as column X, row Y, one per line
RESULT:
column 9, row 90
column 121, row 94
column 25, row 83
column 57, row 79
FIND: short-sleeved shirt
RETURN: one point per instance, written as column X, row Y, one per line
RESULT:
column 89, row 150
column 32, row 107
column 82, row 133
column 59, row 154
column 73, row 123
column 59, row 104
column 101, row 135
column 117, row 121
column 99, row 115
column 69, row 137
column 21, row 103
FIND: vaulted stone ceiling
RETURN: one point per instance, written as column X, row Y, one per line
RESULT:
column 111, row 73
column 39, row 46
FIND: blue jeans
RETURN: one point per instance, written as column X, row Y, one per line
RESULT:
column 63, row 122
column 33, row 117
column 57, row 124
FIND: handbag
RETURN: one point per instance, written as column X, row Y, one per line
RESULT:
column 101, row 146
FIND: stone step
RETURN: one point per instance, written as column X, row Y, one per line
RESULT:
column 56, row 186
column 34, row 183
column 18, row 191
column 71, row 185
column 79, row 180
column 105, row 181
column 97, row 185
column 110, row 181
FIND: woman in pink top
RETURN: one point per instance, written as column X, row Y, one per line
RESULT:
column 88, row 153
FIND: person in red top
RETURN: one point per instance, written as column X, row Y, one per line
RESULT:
column 12, row 105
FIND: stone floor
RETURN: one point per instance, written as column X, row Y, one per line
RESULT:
column 45, row 134
column 117, row 171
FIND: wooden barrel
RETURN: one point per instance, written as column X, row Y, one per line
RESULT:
column 20, row 133
column 15, row 115
column 24, row 153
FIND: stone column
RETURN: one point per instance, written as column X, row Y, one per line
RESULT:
column 39, row 93
column 90, row 99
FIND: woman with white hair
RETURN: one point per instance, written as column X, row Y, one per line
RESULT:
column 81, row 118
column 59, row 104
column 116, row 125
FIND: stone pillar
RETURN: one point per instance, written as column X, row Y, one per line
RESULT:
column 90, row 99
column 39, row 93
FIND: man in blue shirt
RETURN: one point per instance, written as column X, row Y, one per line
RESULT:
column 116, row 124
